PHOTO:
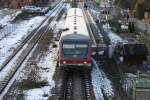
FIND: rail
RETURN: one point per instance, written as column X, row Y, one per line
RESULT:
column 27, row 49
column 25, row 41
column 77, row 86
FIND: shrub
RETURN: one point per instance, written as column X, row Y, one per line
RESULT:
column 33, row 80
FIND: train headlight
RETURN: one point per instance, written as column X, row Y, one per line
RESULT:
column 85, row 62
column 64, row 62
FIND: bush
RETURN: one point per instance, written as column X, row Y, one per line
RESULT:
column 33, row 80
column 116, row 26
column 30, row 84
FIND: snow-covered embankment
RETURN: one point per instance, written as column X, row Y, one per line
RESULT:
column 101, row 84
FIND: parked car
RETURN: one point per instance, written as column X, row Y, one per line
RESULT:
column 31, row 9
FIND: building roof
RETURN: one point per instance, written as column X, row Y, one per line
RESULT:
column 143, row 82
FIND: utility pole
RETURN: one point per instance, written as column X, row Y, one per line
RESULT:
column 106, row 6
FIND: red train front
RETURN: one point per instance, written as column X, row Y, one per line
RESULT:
column 75, row 42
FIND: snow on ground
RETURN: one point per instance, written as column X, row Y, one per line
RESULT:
column 113, row 36
column 67, row 7
column 6, row 11
column 7, row 15
column 56, row 26
column 95, row 13
column 61, row 5
column 59, row 25
column 22, row 29
column 4, row 21
column 4, row 73
column 128, row 83
column 37, row 94
column 101, row 84
column 54, row 11
column 8, row 44
column 47, row 62
column 7, row 30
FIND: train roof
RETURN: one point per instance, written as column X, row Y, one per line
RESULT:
column 75, row 11
column 75, row 25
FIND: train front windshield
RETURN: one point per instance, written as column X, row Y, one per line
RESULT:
column 75, row 50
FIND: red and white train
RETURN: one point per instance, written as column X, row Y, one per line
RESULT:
column 75, row 42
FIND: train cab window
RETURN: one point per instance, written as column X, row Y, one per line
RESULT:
column 68, row 46
column 75, row 49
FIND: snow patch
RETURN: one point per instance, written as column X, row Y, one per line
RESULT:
column 37, row 94
column 57, row 26
column 68, row 6
column 4, row 21
column 14, row 37
column 101, row 83
column 54, row 11
column 47, row 62
column 128, row 82
column 7, row 15
column 113, row 36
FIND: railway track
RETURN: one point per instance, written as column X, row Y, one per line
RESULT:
column 24, row 51
column 77, row 86
column 93, row 29
column 32, row 34
column 89, row 28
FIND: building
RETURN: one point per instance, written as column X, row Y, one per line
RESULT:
column 141, row 89
column 143, row 9
column 135, row 53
